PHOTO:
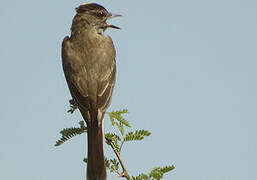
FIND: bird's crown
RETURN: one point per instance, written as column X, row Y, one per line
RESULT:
column 90, row 7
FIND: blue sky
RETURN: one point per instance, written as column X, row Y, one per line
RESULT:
column 187, row 72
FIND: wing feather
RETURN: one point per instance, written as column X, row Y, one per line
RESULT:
column 75, row 76
column 91, row 81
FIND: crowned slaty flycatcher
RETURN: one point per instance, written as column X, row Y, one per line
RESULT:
column 89, row 65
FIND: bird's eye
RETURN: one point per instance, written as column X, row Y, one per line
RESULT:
column 102, row 14
column 99, row 14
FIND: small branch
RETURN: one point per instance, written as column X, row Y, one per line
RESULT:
column 122, row 142
column 124, row 173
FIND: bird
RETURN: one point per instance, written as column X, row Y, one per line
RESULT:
column 89, row 65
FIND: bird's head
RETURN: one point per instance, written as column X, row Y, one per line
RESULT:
column 96, row 16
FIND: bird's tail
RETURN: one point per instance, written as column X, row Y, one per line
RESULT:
column 95, row 165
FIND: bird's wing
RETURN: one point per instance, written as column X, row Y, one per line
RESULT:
column 90, row 94
column 107, row 81
column 76, row 76
column 105, row 89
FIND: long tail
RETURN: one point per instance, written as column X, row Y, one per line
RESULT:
column 95, row 165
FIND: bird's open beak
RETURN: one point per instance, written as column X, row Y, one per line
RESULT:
column 112, row 26
column 113, row 16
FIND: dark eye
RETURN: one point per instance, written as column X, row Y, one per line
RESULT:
column 99, row 14
column 102, row 14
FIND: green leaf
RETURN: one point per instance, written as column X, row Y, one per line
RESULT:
column 137, row 135
column 155, row 174
column 69, row 133
column 141, row 177
column 166, row 169
column 123, row 111
column 73, row 106
column 117, row 115
column 123, row 121
column 112, row 140
column 114, row 165
column 116, row 146
column 121, row 128
column 112, row 136
column 158, row 172
column 111, row 118
column 107, row 163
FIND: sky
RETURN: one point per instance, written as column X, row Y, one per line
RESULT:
column 186, row 70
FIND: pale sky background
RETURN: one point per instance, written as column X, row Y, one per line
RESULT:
column 187, row 71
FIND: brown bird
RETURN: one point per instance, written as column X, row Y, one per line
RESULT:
column 89, row 65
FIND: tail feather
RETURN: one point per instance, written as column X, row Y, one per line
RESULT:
column 95, row 165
